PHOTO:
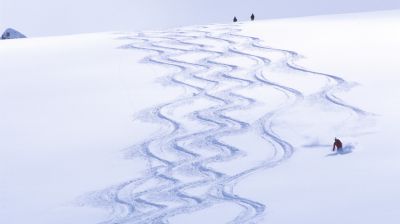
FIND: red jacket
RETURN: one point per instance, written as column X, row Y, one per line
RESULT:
column 338, row 144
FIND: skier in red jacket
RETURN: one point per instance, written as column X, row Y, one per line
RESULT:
column 337, row 144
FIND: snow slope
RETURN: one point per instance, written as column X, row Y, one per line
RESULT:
column 216, row 123
column 361, row 186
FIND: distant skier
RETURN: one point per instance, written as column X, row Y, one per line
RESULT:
column 337, row 144
column 252, row 17
column 234, row 19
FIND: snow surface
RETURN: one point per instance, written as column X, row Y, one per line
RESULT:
column 217, row 123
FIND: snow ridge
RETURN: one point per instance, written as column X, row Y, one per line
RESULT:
column 12, row 34
column 176, row 151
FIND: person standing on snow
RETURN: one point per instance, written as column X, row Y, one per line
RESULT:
column 252, row 17
column 337, row 144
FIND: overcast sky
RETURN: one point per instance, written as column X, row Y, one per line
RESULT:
column 58, row 17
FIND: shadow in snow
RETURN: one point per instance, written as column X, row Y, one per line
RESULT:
column 345, row 150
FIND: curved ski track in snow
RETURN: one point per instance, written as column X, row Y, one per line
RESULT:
column 135, row 202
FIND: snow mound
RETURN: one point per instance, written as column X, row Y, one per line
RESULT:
column 12, row 34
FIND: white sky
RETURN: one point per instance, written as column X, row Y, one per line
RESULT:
column 58, row 17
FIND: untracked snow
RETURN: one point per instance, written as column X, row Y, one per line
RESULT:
column 224, row 123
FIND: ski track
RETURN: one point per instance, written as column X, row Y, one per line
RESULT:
column 128, row 202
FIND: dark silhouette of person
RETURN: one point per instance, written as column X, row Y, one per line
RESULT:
column 337, row 144
column 252, row 17
column 234, row 19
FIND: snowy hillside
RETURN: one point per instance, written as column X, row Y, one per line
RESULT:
column 12, row 34
column 223, row 123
